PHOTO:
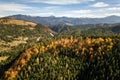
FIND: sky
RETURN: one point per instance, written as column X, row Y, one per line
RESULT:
column 61, row 8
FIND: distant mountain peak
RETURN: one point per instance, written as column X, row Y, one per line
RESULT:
column 52, row 20
column 52, row 16
column 112, row 16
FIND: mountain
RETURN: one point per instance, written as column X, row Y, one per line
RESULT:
column 52, row 20
column 61, row 28
column 10, row 29
column 16, row 22
column 31, row 25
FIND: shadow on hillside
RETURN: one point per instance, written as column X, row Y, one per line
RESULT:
column 4, row 68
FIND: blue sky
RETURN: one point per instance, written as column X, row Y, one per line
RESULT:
column 60, row 8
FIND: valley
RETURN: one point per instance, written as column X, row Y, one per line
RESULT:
column 60, row 50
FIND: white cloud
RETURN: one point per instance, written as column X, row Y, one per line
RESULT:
column 100, row 4
column 114, row 9
column 78, row 15
column 81, row 11
column 73, row 13
column 52, row 8
column 109, row 10
column 61, row 1
column 13, row 7
column 41, row 14
column 93, row 13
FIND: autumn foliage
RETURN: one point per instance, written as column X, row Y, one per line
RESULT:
column 12, row 72
column 66, row 59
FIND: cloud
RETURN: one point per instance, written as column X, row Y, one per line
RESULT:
column 92, row 13
column 60, row 10
column 117, row 4
column 103, row 12
column 13, row 7
column 41, row 14
column 52, row 8
column 61, row 1
column 81, row 11
column 100, row 4
column 72, row 13
column 114, row 9
column 108, row 10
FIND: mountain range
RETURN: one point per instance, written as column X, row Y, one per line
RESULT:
column 52, row 20
column 12, row 29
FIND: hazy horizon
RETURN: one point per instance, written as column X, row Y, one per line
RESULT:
column 57, row 16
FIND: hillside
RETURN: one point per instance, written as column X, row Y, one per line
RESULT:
column 70, row 58
column 16, row 22
column 15, row 32
column 10, row 23
column 61, row 28
column 104, row 29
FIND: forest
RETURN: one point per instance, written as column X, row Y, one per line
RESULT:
column 90, row 53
